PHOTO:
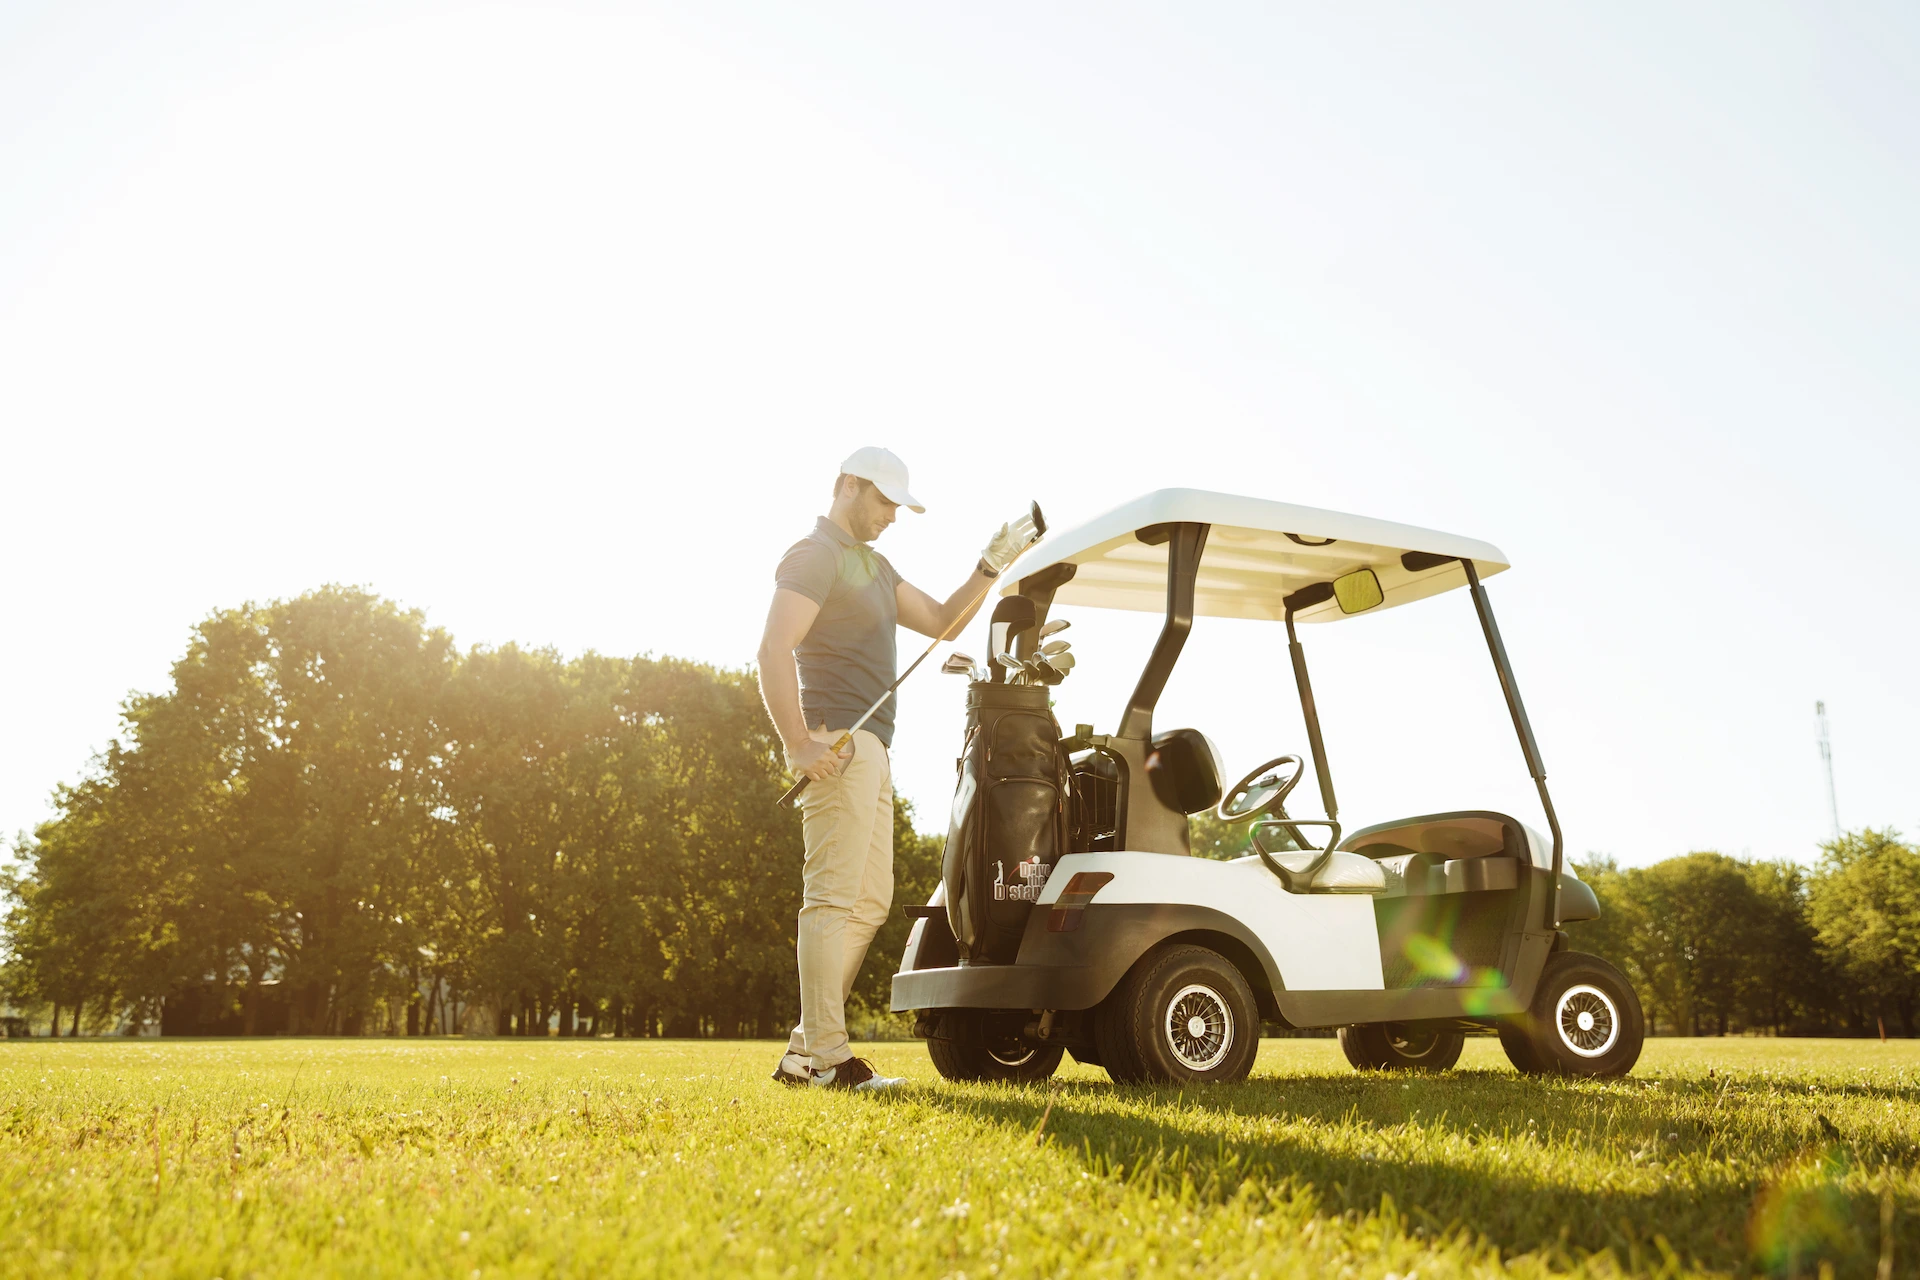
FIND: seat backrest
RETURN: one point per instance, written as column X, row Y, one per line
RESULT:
column 1185, row 770
column 1467, row 833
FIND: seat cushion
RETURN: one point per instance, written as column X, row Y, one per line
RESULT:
column 1344, row 872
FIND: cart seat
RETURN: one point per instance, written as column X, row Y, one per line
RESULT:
column 1465, row 833
column 1344, row 872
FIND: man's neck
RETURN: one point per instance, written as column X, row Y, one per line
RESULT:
column 838, row 515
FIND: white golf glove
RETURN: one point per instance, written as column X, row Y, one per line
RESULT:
column 1005, row 546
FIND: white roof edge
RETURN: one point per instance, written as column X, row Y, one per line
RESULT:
column 1097, row 539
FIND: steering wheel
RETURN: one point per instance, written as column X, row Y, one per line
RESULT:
column 1263, row 790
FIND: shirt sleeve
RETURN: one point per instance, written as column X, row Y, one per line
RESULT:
column 892, row 574
column 808, row 568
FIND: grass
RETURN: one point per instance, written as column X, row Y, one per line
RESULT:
column 605, row 1158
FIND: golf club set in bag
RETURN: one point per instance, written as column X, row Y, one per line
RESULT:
column 1049, row 664
column 1009, row 820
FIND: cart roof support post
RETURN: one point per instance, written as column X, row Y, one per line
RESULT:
column 1528, row 747
column 1311, row 714
column 1039, row 588
column 1184, row 544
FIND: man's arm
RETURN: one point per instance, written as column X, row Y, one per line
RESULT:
column 921, row 612
column 788, row 619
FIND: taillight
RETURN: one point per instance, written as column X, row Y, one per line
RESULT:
column 1073, row 900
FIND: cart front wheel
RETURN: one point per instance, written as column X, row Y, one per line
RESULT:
column 1402, row 1046
column 1585, row 1020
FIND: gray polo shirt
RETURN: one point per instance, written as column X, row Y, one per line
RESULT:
column 846, row 659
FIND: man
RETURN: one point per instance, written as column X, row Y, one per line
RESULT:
column 826, row 656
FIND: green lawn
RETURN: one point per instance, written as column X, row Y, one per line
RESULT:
column 603, row 1158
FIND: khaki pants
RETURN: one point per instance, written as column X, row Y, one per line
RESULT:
column 848, row 878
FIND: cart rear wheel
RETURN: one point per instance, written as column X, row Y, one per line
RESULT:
column 1113, row 1039
column 1402, row 1046
column 1183, row 1013
column 1519, row 1046
column 1585, row 1019
column 975, row 1052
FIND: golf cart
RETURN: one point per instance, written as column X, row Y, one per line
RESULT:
column 1072, row 916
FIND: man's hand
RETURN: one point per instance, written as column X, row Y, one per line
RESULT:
column 814, row 757
column 1005, row 546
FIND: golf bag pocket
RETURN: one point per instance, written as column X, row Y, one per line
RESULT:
column 1008, row 825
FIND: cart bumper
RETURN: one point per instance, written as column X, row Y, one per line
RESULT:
column 1000, row 986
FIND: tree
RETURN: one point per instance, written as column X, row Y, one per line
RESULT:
column 1210, row 837
column 1788, row 987
column 1864, row 903
column 1689, row 932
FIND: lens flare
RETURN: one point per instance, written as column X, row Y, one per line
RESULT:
column 1434, row 960
column 1802, row 1218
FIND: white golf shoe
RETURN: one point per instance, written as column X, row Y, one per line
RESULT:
column 856, row 1074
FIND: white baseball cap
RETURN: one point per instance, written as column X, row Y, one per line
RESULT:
column 887, row 472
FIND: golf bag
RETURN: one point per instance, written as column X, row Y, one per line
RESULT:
column 1009, row 818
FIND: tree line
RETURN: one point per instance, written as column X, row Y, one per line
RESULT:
column 1716, row 944
column 334, row 822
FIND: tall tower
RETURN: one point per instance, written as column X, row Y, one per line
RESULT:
column 1826, row 760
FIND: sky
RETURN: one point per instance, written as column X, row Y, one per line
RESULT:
column 554, row 321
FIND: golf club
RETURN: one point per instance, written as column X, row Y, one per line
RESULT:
column 840, row 744
column 1011, row 616
column 958, row 664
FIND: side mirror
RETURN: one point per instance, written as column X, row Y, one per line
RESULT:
column 1358, row 591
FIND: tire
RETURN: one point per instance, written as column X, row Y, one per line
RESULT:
column 1514, row 1039
column 974, row 1052
column 1112, row 1039
column 1182, row 1014
column 1402, row 1046
column 1585, row 1019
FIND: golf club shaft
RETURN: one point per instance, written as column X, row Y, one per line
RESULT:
column 840, row 743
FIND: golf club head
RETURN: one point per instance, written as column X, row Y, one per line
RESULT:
column 957, row 664
column 980, row 674
column 1053, row 628
column 1054, row 648
column 1008, row 661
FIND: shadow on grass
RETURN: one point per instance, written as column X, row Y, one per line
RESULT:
column 1524, row 1164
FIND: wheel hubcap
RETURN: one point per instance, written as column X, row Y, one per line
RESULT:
column 1009, row 1051
column 1587, row 1019
column 1411, row 1042
column 1199, row 1027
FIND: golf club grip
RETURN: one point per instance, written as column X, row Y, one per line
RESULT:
column 793, row 792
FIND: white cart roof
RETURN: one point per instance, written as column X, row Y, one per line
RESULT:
column 1257, row 554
